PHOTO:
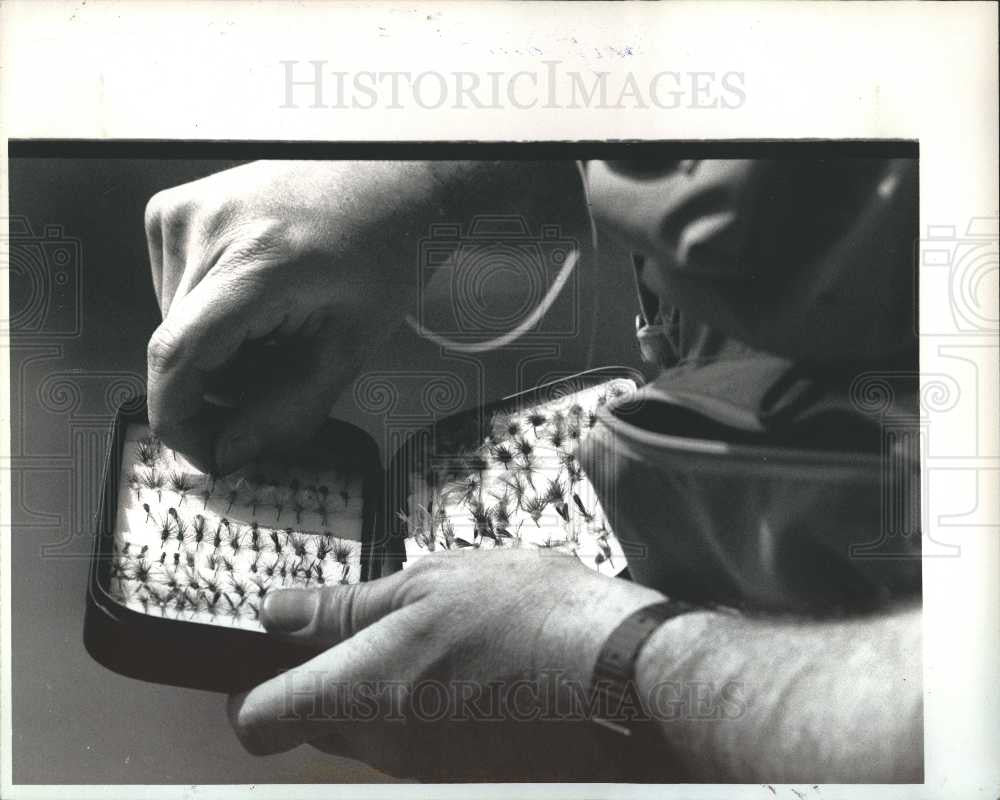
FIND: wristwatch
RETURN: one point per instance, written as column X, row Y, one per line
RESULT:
column 613, row 683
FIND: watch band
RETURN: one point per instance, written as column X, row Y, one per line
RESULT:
column 615, row 696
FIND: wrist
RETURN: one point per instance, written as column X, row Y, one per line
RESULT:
column 615, row 677
column 674, row 648
column 685, row 688
column 622, row 697
column 540, row 194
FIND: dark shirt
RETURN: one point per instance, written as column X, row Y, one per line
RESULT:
column 757, row 471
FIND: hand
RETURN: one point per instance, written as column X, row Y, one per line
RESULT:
column 276, row 278
column 463, row 666
column 273, row 279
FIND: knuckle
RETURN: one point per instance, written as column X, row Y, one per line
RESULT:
column 336, row 604
column 344, row 610
column 262, row 240
column 220, row 212
column 151, row 218
column 174, row 219
column 168, row 218
column 425, row 563
column 418, row 581
column 355, row 605
column 163, row 423
column 163, row 352
column 159, row 425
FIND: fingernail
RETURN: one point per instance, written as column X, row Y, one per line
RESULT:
column 235, row 451
column 289, row 610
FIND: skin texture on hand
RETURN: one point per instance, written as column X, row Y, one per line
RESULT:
column 736, row 699
column 277, row 278
column 460, row 667
column 262, row 254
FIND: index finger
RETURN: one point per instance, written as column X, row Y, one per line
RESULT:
column 329, row 694
column 202, row 331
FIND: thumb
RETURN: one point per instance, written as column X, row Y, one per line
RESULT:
column 323, row 617
column 282, row 414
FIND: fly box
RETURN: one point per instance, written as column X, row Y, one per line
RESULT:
column 183, row 560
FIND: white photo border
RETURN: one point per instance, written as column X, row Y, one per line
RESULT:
column 864, row 70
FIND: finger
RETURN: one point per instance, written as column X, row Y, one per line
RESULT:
column 175, row 266
column 202, row 331
column 185, row 264
column 291, row 406
column 346, row 686
column 323, row 617
column 176, row 261
column 154, row 243
column 176, row 244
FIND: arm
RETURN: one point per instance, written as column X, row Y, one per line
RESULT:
column 812, row 701
column 318, row 259
column 799, row 701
